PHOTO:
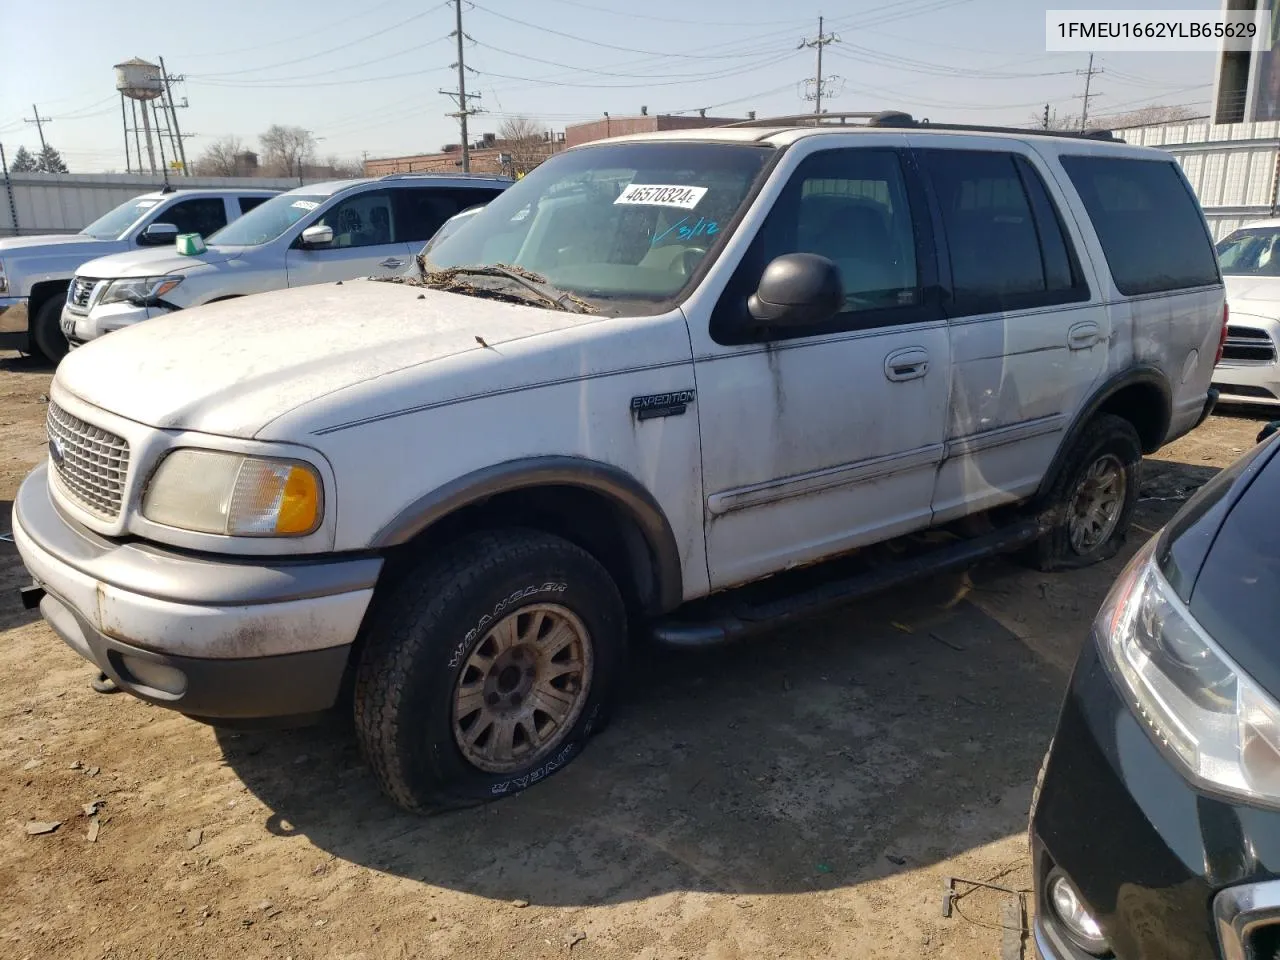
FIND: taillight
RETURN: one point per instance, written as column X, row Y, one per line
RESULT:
column 1222, row 340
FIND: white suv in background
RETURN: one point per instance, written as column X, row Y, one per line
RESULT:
column 320, row 232
column 35, row 271
column 1249, row 371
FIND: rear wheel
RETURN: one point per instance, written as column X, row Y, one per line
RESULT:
column 46, row 331
column 1092, row 500
column 487, row 668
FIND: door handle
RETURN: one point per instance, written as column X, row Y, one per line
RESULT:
column 1084, row 335
column 910, row 363
column 391, row 263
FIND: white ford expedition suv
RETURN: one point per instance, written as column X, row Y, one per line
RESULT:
column 653, row 373
column 35, row 271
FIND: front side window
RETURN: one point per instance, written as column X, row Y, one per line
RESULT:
column 1147, row 221
column 1251, row 253
column 204, row 215
column 623, row 226
column 114, row 225
column 364, row 220
column 267, row 221
column 853, row 207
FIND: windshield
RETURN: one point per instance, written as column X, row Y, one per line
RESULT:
column 1251, row 253
column 114, row 225
column 267, row 221
column 624, row 222
column 450, row 227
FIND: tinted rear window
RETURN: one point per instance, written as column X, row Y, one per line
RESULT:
column 1147, row 221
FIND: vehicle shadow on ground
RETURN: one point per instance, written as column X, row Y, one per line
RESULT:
column 13, row 575
column 24, row 363
column 884, row 737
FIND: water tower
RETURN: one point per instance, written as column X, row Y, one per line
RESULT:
column 146, row 88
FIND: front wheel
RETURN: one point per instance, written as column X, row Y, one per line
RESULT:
column 487, row 668
column 1092, row 501
column 46, row 331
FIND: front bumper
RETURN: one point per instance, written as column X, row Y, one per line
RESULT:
column 13, row 314
column 1150, row 854
column 80, row 328
column 218, row 638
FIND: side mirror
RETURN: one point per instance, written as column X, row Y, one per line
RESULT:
column 1267, row 431
column 158, row 234
column 796, row 290
column 317, row 237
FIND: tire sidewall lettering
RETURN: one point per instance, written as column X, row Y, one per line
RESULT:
column 500, row 608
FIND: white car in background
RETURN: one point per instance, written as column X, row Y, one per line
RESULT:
column 35, row 271
column 321, row 232
column 1249, row 371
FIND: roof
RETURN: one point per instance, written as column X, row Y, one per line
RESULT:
column 783, row 131
column 330, row 187
column 214, row 192
column 1269, row 222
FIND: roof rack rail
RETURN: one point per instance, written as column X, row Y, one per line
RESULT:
column 896, row 119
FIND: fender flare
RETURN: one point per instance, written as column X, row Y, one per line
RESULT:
column 1142, row 374
column 621, row 488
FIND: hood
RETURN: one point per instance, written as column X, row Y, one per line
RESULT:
column 12, row 244
column 154, row 262
column 1253, row 295
column 232, row 367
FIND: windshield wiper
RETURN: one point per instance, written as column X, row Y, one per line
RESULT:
column 544, row 292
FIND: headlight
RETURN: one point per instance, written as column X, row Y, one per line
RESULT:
column 1194, row 700
column 227, row 493
column 141, row 291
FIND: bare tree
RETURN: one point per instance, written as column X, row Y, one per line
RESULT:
column 221, row 158
column 1154, row 114
column 335, row 166
column 286, row 150
column 524, row 141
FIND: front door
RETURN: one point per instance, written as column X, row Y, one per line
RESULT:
column 364, row 243
column 819, row 440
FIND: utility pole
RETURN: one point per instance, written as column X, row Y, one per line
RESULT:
column 460, row 95
column 39, row 121
column 819, row 42
column 1088, row 82
column 177, row 131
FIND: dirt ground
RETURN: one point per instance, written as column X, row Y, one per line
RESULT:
column 802, row 795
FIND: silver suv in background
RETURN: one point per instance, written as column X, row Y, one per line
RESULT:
column 338, row 230
column 35, row 271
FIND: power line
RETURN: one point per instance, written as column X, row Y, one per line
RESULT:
column 267, row 82
column 293, row 38
column 733, row 72
column 603, row 73
column 319, row 53
column 665, row 19
column 818, row 42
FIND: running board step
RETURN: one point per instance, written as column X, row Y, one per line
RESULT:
column 746, row 618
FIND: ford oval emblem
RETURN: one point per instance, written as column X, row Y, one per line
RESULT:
column 56, row 451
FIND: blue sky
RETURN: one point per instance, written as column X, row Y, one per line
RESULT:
column 367, row 80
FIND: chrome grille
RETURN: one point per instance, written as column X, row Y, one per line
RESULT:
column 91, row 463
column 81, row 291
column 1248, row 345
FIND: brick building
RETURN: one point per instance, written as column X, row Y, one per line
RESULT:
column 608, row 126
column 490, row 155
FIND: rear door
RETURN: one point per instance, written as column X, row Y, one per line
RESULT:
column 1027, row 337
column 1167, row 295
column 364, row 242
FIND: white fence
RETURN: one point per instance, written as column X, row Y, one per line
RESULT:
column 66, row 203
column 1234, row 168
